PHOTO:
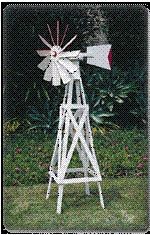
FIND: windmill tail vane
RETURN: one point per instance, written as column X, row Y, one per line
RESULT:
column 59, row 65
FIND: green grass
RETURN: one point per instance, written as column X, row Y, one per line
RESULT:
column 25, row 207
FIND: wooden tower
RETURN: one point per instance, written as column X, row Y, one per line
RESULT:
column 74, row 131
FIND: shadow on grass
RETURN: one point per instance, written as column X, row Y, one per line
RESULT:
column 79, row 199
column 110, row 195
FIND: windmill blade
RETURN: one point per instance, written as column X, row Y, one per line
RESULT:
column 71, row 67
column 55, row 75
column 57, row 32
column 64, row 35
column 50, row 32
column 45, row 42
column 70, row 54
column 68, row 43
column 43, row 53
column 65, row 76
column 77, row 74
column 44, row 64
column 100, row 56
column 48, row 73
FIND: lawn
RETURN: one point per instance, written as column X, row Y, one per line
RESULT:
column 126, row 202
column 122, row 156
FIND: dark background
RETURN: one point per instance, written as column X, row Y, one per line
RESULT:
column 126, row 31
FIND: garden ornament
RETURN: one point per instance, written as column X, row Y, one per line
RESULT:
column 74, row 131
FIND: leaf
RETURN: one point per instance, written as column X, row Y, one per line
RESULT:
column 111, row 107
column 97, row 103
column 105, row 114
column 33, row 110
column 119, row 100
column 96, row 118
column 38, row 126
column 38, row 117
column 39, row 95
column 27, row 95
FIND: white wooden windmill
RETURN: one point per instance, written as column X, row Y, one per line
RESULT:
column 74, row 122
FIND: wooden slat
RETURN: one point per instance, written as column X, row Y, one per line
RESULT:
column 74, row 106
column 51, row 173
column 80, row 180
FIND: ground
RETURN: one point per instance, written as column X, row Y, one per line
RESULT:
column 126, row 207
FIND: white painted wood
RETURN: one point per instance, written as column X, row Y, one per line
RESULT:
column 49, row 29
column 49, row 187
column 74, row 122
column 70, row 90
column 72, row 39
column 45, row 42
column 100, row 195
column 60, row 137
column 82, row 153
column 82, row 139
column 65, row 162
column 43, row 53
column 92, row 172
column 82, row 92
column 100, row 56
column 74, row 106
column 48, row 73
column 44, row 64
column 72, row 170
column 64, row 35
column 55, row 75
column 79, row 180
column 78, row 169
column 87, row 189
column 59, row 200
column 78, row 94
column 65, row 95
column 51, row 173
column 64, row 146
column 87, row 138
column 70, row 66
column 70, row 54
column 65, row 76
column 73, row 118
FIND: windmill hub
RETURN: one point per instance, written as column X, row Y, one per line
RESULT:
column 55, row 50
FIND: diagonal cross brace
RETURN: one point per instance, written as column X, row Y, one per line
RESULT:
column 66, row 159
column 82, row 139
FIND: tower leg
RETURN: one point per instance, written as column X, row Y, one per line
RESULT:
column 59, row 200
column 87, row 189
column 100, row 195
column 49, row 187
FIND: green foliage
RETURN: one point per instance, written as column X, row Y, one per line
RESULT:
column 119, row 153
column 140, row 110
column 11, row 126
column 106, row 91
column 44, row 119
column 15, row 125
column 122, row 152
column 139, row 102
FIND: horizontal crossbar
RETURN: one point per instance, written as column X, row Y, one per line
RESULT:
column 74, row 106
column 80, row 180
